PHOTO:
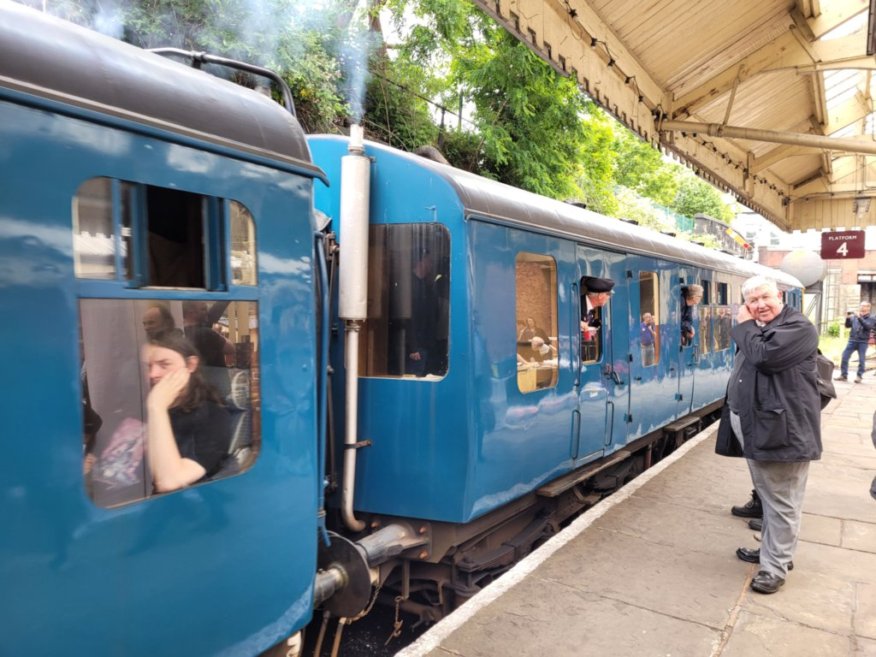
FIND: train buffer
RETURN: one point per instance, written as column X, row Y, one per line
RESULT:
column 651, row 570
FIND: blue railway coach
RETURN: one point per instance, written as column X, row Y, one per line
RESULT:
column 493, row 442
column 128, row 204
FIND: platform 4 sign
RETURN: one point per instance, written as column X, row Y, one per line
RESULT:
column 843, row 244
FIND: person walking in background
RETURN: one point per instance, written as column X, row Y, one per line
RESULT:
column 775, row 414
column 861, row 325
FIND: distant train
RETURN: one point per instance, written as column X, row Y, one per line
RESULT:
column 406, row 429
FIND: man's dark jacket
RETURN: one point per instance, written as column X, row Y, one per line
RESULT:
column 774, row 388
column 861, row 327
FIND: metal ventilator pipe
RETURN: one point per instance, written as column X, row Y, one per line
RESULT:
column 353, row 298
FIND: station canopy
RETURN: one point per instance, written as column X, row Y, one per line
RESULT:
column 771, row 100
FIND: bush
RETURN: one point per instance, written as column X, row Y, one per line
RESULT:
column 833, row 330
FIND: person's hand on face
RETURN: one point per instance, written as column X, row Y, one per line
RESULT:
column 166, row 390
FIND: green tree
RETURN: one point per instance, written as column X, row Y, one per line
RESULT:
column 695, row 195
column 396, row 110
column 525, row 124
column 641, row 167
column 528, row 118
column 597, row 179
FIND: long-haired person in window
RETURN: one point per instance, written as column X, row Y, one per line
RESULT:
column 691, row 295
column 188, row 428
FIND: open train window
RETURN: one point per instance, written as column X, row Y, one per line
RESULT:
column 705, row 341
column 149, row 236
column 649, row 318
column 707, row 291
column 406, row 332
column 142, row 435
column 691, row 296
column 722, row 298
column 536, row 311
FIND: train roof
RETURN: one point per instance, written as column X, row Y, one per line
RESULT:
column 507, row 204
column 57, row 60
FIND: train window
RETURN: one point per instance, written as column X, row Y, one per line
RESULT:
column 406, row 332
column 705, row 340
column 593, row 306
column 243, row 254
column 536, row 310
column 707, row 292
column 723, row 294
column 159, row 237
column 95, row 239
column 723, row 321
column 175, row 235
column 691, row 296
column 649, row 325
column 170, row 394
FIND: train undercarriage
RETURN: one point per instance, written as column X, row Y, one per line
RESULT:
column 433, row 567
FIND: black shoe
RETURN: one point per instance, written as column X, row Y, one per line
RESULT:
column 765, row 582
column 751, row 509
column 753, row 556
column 756, row 524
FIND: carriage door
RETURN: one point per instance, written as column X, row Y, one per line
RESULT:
column 651, row 366
column 715, row 355
column 689, row 349
column 602, row 393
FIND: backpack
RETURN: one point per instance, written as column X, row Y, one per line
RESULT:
column 824, row 373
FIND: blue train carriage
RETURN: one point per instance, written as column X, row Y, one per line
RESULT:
column 142, row 200
column 483, row 409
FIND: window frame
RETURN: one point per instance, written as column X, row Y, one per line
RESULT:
column 130, row 282
column 373, row 332
column 131, row 259
column 531, row 369
column 654, row 306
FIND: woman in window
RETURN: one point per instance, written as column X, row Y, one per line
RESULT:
column 691, row 295
column 188, row 429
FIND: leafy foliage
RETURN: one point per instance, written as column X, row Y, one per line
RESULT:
column 695, row 195
column 524, row 124
column 393, row 114
column 640, row 167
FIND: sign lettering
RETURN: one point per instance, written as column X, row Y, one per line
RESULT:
column 842, row 245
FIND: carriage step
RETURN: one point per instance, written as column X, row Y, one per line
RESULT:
column 681, row 429
column 561, row 485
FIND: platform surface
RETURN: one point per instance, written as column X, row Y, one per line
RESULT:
column 652, row 571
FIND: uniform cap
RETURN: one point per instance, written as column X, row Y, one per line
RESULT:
column 594, row 284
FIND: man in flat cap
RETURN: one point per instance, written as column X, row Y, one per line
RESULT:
column 595, row 293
